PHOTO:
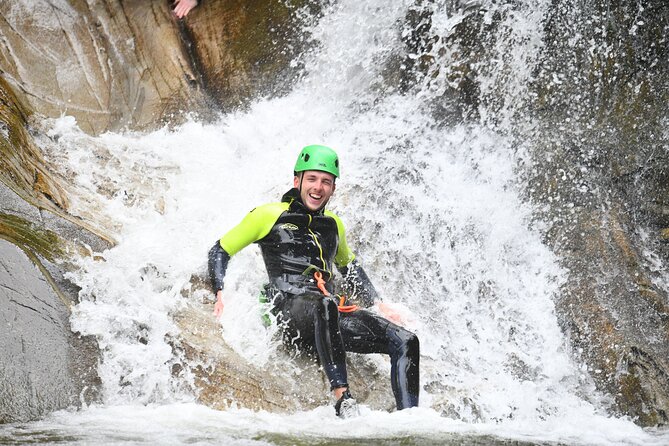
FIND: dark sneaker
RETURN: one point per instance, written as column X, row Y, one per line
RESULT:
column 347, row 406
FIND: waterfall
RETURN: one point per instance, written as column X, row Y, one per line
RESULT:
column 430, row 193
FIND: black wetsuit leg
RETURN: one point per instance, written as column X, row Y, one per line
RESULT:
column 366, row 332
column 312, row 323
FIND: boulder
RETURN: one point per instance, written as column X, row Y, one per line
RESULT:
column 225, row 379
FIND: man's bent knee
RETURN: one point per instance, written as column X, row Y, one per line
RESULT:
column 404, row 342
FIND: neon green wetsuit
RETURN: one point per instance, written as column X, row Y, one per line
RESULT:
column 293, row 242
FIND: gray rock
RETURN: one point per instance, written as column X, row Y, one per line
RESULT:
column 40, row 365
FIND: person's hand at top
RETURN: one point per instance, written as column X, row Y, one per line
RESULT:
column 183, row 7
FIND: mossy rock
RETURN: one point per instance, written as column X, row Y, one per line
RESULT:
column 22, row 166
column 29, row 236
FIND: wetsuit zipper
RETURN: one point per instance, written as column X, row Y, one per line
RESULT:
column 320, row 249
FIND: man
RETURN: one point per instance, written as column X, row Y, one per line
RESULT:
column 300, row 241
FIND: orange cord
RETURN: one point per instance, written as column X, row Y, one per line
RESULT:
column 320, row 283
column 345, row 308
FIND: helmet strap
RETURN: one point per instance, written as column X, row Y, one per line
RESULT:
column 301, row 175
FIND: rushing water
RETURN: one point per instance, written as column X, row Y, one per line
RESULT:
column 433, row 211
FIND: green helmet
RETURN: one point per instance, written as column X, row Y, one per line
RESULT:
column 317, row 157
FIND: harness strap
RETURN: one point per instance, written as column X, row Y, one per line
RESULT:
column 345, row 308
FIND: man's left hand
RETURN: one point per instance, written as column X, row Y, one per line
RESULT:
column 393, row 312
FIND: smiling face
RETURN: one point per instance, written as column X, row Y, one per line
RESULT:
column 315, row 187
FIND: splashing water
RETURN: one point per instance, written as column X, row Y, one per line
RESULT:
column 432, row 211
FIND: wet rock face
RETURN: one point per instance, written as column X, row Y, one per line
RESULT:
column 22, row 166
column 614, row 315
column 43, row 365
column 245, row 48
column 109, row 64
column 594, row 124
column 115, row 65
column 601, row 164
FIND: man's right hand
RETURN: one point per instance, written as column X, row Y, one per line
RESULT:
column 218, row 306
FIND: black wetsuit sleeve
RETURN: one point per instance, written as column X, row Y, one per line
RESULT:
column 218, row 263
column 358, row 284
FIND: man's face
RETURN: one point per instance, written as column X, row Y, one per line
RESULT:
column 317, row 188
